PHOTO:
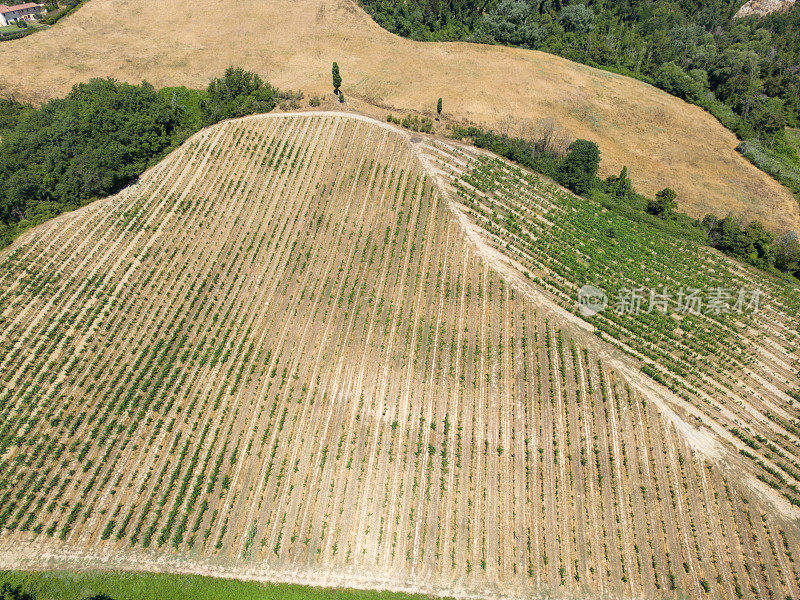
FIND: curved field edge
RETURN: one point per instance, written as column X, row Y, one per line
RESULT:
column 662, row 140
column 462, row 438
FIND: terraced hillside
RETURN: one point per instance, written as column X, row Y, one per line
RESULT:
column 289, row 353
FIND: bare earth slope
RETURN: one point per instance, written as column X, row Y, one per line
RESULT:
column 284, row 354
column 662, row 140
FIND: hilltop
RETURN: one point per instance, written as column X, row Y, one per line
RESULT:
column 662, row 140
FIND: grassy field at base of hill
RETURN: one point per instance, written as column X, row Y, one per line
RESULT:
column 71, row 585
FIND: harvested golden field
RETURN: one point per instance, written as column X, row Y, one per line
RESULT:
column 663, row 141
column 297, row 350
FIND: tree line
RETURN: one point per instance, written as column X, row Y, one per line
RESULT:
column 101, row 137
column 744, row 71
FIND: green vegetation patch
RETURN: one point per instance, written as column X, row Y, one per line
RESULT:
column 70, row 585
column 101, row 137
column 737, row 69
column 577, row 167
column 777, row 153
column 793, row 137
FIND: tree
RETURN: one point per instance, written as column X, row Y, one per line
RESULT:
column 663, row 204
column 236, row 94
column 101, row 137
column 735, row 79
column 87, row 145
column 771, row 116
column 673, row 79
column 759, row 249
column 577, row 17
column 509, row 22
column 439, row 109
column 752, row 243
column 787, row 254
column 337, row 79
column 731, row 237
column 578, row 170
column 619, row 186
column 341, row 97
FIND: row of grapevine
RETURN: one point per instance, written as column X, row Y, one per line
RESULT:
column 278, row 351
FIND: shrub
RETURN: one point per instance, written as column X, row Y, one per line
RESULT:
column 663, row 204
column 236, row 94
column 414, row 123
column 578, row 170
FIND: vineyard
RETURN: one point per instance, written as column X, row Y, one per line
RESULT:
column 736, row 372
column 313, row 348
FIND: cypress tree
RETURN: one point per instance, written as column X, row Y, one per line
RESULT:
column 337, row 79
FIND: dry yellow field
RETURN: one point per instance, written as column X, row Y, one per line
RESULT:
column 662, row 140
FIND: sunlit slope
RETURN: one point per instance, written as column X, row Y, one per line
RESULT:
column 292, row 43
column 735, row 371
column 279, row 356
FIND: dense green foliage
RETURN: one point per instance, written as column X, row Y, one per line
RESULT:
column 189, row 103
column 534, row 154
column 10, row 114
column 66, row 585
column 777, row 156
column 744, row 71
column 577, row 171
column 236, row 94
column 751, row 243
column 337, row 78
column 663, row 204
column 89, row 144
column 101, row 137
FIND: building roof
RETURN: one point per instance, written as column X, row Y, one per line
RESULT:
column 5, row 9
